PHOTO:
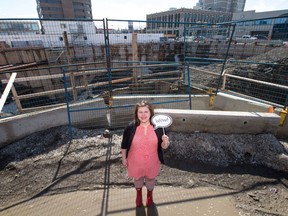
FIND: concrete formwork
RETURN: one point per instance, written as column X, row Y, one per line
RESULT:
column 222, row 122
column 224, row 116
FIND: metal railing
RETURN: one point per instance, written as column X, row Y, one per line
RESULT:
column 109, row 56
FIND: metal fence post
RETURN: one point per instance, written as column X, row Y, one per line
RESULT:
column 67, row 103
column 225, row 59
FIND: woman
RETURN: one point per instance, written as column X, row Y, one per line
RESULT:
column 142, row 151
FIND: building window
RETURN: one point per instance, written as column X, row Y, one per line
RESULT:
column 281, row 20
column 248, row 23
column 263, row 22
column 50, row 1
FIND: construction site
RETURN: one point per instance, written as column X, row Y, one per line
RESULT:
column 66, row 97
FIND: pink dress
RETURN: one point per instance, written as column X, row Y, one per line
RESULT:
column 143, row 157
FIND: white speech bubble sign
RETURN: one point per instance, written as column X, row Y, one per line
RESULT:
column 161, row 121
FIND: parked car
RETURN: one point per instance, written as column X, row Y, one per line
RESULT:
column 187, row 39
column 249, row 37
column 261, row 37
column 200, row 38
column 245, row 39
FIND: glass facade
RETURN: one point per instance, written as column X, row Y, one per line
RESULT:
column 231, row 6
column 183, row 18
column 16, row 28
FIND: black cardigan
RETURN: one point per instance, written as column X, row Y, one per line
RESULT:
column 128, row 136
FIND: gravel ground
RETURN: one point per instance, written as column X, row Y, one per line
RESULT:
column 253, row 167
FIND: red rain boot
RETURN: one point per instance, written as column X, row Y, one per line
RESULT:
column 139, row 197
column 149, row 199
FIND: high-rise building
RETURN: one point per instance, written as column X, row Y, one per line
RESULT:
column 231, row 6
column 64, row 9
column 171, row 21
column 199, row 5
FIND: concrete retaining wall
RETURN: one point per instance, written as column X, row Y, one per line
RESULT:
column 222, row 122
column 202, row 118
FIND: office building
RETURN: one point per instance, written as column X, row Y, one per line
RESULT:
column 16, row 27
column 68, row 9
column 231, row 6
column 260, row 23
column 174, row 21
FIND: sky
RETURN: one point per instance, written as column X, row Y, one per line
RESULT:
column 128, row 9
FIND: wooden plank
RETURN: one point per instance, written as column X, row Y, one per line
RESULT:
column 113, row 82
column 5, row 66
column 44, row 77
column 58, row 91
column 134, row 56
column 26, row 56
column 71, row 74
column 13, row 57
column 35, row 84
column 206, row 71
column 157, row 80
column 3, row 60
column 15, row 95
column 55, row 76
column 85, row 81
column 258, row 81
column 47, row 83
column 7, row 90
column 39, row 108
column 224, row 79
column 161, row 74
column 17, row 67
column 39, row 55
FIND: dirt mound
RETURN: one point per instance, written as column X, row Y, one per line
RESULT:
column 47, row 163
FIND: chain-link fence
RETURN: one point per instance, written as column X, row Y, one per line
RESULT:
column 248, row 58
column 97, row 70
column 47, row 63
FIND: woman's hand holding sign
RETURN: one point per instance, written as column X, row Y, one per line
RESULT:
column 165, row 141
column 162, row 121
